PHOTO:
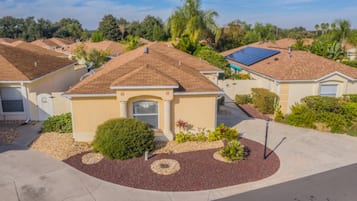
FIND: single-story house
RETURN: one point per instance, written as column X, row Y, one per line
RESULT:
column 156, row 83
column 292, row 74
column 31, row 82
column 55, row 44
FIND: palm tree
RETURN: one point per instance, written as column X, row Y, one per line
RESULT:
column 192, row 21
column 344, row 28
column 317, row 27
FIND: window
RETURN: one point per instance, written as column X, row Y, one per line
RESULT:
column 11, row 100
column 328, row 90
column 146, row 111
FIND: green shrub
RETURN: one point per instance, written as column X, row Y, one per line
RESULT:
column 123, row 138
column 243, row 99
column 182, row 137
column 351, row 97
column 279, row 116
column 58, row 123
column 338, row 123
column 322, row 103
column 264, row 100
column 223, row 132
column 234, row 151
column 301, row 116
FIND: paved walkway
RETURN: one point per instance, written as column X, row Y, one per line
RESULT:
column 28, row 175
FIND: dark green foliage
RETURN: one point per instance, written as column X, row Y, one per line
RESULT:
column 301, row 116
column 243, row 99
column 234, row 151
column 322, row 103
column 351, row 97
column 352, row 63
column 59, row 123
column 96, row 36
column 339, row 115
column 110, row 29
column 186, row 45
column 152, row 28
column 264, row 100
column 123, row 138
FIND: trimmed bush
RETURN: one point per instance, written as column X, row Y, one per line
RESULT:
column 264, row 100
column 243, row 99
column 123, row 138
column 234, row 151
column 58, row 123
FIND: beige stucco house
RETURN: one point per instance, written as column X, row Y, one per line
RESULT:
column 294, row 74
column 32, row 80
column 157, row 84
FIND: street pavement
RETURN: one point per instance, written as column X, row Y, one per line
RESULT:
column 334, row 185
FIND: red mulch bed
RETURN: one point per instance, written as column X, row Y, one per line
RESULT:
column 199, row 170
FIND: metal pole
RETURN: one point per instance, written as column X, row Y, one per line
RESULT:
column 266, row 138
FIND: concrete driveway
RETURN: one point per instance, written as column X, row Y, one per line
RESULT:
column 28, row 175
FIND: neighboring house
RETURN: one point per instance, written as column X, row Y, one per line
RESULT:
column 157, row 84
column 34, row 48
column 55, row 44
column 351, row 51
column 31, row 82
column 292, row 74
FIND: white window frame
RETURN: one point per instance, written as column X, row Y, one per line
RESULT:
column 22, row 99
column 328, row 94
column 147, row 114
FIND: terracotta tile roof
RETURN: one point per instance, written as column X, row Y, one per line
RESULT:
column 7, row 40
column 17, row 64
column 106, row 45
column 145, row 76
column 300, row 66
column 136, row 68
column 45, row 43
column 34, row 48
column 61, row 41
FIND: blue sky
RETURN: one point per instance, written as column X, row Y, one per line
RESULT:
column 283, row 13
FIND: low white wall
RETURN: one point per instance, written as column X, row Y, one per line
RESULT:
column 240, row 87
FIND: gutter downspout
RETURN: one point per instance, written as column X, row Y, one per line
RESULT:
column 27, row 105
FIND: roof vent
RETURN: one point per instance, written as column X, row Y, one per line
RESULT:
column 35, row 64
column 146, row 50
column 289, row 51
column 180, row 62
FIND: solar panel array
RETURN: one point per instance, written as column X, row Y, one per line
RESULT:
column 251, row 55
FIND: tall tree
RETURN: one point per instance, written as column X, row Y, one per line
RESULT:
column 191, row 20
column 151, row 28
column 68, row 28
column 344, row 27
column 110, row 28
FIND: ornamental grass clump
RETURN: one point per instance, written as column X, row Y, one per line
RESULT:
column 234, row 151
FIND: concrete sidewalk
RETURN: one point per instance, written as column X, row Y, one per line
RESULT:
column 28, row 175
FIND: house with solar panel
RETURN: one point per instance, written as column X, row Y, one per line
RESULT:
column 292, row 75
column 156, row 84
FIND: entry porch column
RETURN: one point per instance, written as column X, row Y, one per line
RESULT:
column 167, row 120
column 123, row 109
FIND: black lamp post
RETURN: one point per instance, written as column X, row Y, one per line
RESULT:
column 266, row 137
